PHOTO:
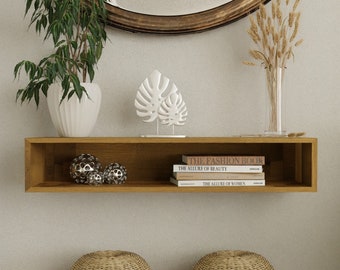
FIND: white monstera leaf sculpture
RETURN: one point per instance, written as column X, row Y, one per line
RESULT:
column 158, row 99
column 149, row 96
column 173, row 110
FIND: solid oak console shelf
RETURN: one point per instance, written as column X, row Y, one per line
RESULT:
column 291, row 163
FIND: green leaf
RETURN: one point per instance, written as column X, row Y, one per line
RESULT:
column 99, row 51
column 27, row 66
column 70, row 94
column 91, row 72
column 36, row 4
column 78, row 89
column 44, row 87
column 36, row 97
column 28, row 5
column 17, row 68
column 44, row 21
column 61, row 68
column 66, row 87
column 32, row 71
column 74, row 44
column 65, row 84
column 19, row 93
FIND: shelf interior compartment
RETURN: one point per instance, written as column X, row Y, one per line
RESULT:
column 150, row 164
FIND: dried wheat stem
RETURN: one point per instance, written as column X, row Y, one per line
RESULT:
column 255, row 37
column 279, row 15
column 252, row 23
column 249, row 63
column 263, row 11
column 299, row 42
column 296, row 27
column 296, row 5
column 291, row 19
column 284, row 44
column 273, row 10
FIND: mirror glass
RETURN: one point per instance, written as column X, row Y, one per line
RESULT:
column 176, row 16
column 166, row 7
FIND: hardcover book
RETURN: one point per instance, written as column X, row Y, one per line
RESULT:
column 217, row 183
column 223, row 160
column 218, row 176
column 218, row 168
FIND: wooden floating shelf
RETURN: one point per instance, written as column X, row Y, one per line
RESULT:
column 291, row 163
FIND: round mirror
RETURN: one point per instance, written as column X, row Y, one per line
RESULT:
column 176, row 16
column 166, row 7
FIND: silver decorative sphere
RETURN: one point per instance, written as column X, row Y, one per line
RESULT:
column 115, row 173
column 95, row 178
column 82, row 165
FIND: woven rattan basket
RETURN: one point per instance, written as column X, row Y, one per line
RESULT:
column 233, row 260
column 111, row 260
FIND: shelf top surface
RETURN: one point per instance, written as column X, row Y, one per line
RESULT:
column 259, row 139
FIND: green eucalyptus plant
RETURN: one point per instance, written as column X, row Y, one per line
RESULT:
column 77, row 28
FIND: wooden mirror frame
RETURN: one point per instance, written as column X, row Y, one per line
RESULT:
column 180, row 24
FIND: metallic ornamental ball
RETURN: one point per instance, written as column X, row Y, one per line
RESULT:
column 95, row 178
column 115, row 173
column 82, row 165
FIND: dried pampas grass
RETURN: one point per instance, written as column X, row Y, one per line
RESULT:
column 274, row 33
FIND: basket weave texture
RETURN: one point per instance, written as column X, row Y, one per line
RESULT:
column 111, row 260
column 233, row 260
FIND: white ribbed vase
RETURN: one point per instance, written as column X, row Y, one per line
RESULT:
column 74, row 117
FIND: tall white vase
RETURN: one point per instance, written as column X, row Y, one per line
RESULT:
column 74, row 117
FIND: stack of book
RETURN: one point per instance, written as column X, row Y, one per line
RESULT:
column 216, row 171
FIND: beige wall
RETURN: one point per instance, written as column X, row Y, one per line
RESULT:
column 224, row 98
